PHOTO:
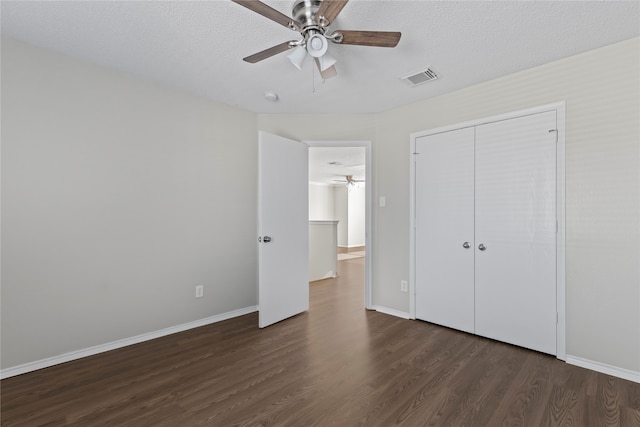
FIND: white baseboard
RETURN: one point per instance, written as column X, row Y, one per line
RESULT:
column 391, row 311
column 78, row 354
column 615, row 371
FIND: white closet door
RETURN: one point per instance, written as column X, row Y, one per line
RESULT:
column 515, row 282
column 444, row 222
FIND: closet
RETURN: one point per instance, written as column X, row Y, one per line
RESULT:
column 485, row 225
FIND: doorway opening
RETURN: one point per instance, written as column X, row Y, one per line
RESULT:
column 340, row 191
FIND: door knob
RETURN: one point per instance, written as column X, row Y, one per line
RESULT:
column 482, row 247
column 466, row 245
column 266, row 239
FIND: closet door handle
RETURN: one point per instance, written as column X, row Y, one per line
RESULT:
column 482, row 247
column 466, row 245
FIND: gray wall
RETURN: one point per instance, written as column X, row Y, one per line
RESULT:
column 114, row 198
column 321, row 202
column 119, row 196
column 341, row 213
column 356, row 204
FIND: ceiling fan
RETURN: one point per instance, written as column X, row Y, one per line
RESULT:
column 311, row 18
column 349, row 180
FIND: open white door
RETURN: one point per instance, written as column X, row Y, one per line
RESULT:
column 283, row 228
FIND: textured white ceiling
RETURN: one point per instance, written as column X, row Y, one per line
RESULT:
column 198, row 46
column 350, row 161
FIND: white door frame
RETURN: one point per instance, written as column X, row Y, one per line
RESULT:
column 368, row 304
column 559, row 107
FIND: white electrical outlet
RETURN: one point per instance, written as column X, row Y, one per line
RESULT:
column 404, row 286
column 199, row 291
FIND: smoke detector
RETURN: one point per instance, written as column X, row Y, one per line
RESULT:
column 271, row 96
column 422, row 76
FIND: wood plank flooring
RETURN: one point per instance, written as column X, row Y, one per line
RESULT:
column 336, row 365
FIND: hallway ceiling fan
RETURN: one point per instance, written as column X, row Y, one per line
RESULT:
column 311, row 18
column 349, row 180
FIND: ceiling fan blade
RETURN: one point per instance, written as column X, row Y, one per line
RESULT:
column 370, row 38
column 328, row 73
column 267, row 53
column 329, row 9
column 269, row 12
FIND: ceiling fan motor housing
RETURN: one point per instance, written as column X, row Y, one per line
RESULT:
column 304, row 11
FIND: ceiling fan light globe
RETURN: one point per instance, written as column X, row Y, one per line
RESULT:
column 317, row 45
column 298, row 56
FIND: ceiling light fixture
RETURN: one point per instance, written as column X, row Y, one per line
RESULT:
column 317, row 45
column 326, row 61
column 298, row 56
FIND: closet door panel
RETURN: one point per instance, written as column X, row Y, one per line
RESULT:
column 515, row 221
column 444, row 222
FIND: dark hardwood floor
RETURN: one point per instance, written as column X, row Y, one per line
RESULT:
column 337, row 365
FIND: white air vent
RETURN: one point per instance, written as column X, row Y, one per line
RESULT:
column 420, row 77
